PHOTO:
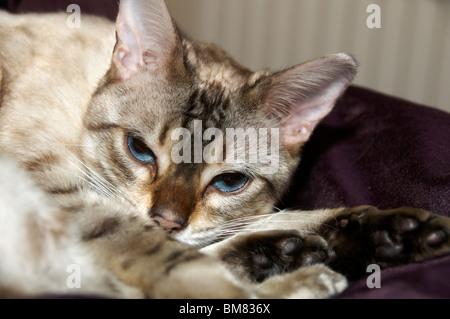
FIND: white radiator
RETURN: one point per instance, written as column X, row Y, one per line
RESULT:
column 409, row 56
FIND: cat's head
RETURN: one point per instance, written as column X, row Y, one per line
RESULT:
column 159, row 127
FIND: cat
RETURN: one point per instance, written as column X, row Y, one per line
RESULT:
column 91, row 120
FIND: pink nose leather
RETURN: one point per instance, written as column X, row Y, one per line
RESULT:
column 168, row 225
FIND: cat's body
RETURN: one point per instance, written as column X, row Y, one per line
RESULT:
column 92, row 124
column 56, row 72
column 49, row 74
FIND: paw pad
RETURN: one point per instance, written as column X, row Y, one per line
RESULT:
column 436, row 238
column 261, row 255
column 291, row 246
column 359, row 237
column 262, row 261
column 406, row 225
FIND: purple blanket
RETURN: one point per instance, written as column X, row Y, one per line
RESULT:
column 371, row 150
column 378, row 150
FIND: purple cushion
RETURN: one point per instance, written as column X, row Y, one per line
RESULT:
column 422, row 280
column 379, row 150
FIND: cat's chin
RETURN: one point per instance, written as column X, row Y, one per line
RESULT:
column 197, row 239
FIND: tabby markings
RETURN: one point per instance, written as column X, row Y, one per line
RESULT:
column 240, row 145
column 106, row 227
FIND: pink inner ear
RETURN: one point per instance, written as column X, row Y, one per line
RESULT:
column 301, row 96
column 305, row 115
column 125, row 63
column 145, row 36
column 295, row 132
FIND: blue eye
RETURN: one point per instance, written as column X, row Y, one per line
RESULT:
column 140, row 151
column 230, row 182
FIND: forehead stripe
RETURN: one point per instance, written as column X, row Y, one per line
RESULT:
column 163, row 134
column 102, row 127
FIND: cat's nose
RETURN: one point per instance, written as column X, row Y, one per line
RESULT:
column 168, row 223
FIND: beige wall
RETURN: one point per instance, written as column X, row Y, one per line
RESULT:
column 408, row 57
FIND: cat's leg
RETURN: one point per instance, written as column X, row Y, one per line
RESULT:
column 145, row 259
column 262, row 256
column 31, row 261
column 258, row 255
column 142, row 257
column 348, row 240
column 358, row 237
column 316, row 281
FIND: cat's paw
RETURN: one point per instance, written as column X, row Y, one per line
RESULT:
column 365, row 235
column 257, row 256
column 317, row 281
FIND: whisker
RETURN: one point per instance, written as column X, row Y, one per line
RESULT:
column 87, row 179
column 105, row 183
column 279, row 220
column 243, row 224
column 270, row 218
column 231, row 233
column 94, row 180
column 111, row 191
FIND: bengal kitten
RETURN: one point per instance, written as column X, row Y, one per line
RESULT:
column 115, row 165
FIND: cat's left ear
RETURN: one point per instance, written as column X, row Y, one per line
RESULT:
column 301, row 96
column 146, row 37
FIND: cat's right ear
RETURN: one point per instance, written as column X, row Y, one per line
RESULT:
column 146, row 38
column 300, row 97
